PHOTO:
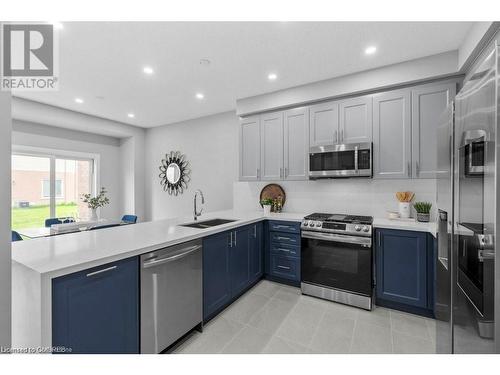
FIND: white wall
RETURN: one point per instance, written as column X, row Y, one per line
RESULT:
column 357, row 196
column 5, row 237
column 37, row 135
column 210, row 144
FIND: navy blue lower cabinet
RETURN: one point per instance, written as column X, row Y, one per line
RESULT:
column 404, row 273
column 282, row 252
column 97, row 310
column 256, row 252
column 216, row 276
column 239, row 261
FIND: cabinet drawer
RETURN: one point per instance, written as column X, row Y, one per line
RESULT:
column 285, row 267
column 284, row 226
column 278, row 248
column 285, row 238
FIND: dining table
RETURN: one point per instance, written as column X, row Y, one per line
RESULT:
column 57, row 229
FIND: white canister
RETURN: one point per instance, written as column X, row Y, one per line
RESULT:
column 267, row 210
column 404, row 210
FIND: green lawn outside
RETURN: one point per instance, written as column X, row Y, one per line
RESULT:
column 32, row 217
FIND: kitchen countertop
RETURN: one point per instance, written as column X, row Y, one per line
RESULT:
column 413, row 225
column 59, row 255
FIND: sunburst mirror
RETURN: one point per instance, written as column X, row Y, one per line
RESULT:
column 175, row 173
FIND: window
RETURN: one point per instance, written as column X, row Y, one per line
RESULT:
column 46, row 185
column 46, row 189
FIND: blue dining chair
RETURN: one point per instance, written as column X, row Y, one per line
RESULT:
column 16, row 236
column 58, row 220
column 129, row 219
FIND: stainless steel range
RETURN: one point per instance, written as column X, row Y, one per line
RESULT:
column 336, row 258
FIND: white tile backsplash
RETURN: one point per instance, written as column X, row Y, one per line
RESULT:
column 353, row 196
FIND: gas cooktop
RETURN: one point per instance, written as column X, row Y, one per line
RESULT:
column 342, row 218
column 338, row 223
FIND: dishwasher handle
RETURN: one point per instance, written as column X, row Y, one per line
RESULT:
column 156, row 261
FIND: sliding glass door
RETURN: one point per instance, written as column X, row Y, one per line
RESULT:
column 47, row 186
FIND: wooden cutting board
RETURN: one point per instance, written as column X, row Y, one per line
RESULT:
column 272, row 191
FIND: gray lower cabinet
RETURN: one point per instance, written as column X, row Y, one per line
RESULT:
column 296, row 145
column 250, row 148
column 271, row 160
column 392, row 134
column 355, row 120
column 323, row 124
column 428, row 104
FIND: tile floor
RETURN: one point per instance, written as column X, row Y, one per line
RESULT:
column 274, row 318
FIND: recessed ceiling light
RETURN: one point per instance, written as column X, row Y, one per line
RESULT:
column 79, row 100
column 370, row 50
column 272, row 76
column 205, row 62
column 148, row 70
column 131, row 115
column 199, row 95
column 57, row 25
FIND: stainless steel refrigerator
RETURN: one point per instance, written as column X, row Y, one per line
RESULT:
column 467, row 279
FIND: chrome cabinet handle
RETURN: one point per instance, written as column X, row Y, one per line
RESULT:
column 281, row 249
column 342, row 135
column 101, row 271
column 258, row 172
column 286, row 172
column 409, row 169
column 234, row 238
column 417, row 169
column 283, row 267
column 231, row 239
column 281, row 172
column 336, row 136
column 255, row 231
column 284, row 238
column 281, row 226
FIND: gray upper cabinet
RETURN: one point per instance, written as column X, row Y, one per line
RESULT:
column 296, row 145
column 250, row 148
column 355, row 120
column 392, row 134
column 429, row 102
column 271, row 161
column 323, row 124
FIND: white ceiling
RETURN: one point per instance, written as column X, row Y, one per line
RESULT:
column 102, row 62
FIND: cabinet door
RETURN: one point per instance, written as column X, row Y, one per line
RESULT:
column 272, row 146
column 428, row 105
column 392, row 134
column 356, row 120
column 216, row 282
column 249, row 148
column 323, row 124
column 256, row 252
column 401, row 265
column 239, row 261
column 97, row 310
column 296, row 152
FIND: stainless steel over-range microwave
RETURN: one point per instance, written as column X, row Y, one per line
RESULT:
column 340, row 160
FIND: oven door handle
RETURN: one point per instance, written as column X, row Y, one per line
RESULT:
column 364, row 241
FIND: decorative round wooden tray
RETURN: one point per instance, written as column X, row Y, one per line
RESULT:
column 273, row 191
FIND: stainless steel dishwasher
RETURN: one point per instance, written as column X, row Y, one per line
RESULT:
column 171, row 294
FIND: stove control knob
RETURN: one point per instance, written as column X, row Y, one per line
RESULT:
column 311, row 223
column 357, row 228
column 304, row 223
column 318, row 224
column 365, row 228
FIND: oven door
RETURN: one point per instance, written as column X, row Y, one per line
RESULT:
column 337, row 261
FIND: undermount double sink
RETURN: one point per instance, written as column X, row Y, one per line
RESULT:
column 207, row 223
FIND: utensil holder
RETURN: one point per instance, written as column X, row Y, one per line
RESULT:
column 404, row 210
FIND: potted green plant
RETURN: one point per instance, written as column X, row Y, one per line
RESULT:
column 423, row 211
column 95, row 202
column 266, row 204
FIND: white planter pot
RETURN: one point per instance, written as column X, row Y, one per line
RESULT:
column 93, row 215
column 267, row 210
column 404, row 210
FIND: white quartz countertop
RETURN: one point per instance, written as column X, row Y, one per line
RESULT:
column 59, row 255
column 404, row 224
